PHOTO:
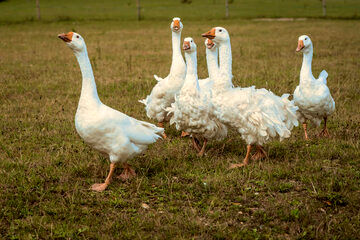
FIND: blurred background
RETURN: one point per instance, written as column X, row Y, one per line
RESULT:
column 68, row 10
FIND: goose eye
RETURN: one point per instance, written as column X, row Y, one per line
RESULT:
column 305, row 38
column 77, row 36
column 220, row 30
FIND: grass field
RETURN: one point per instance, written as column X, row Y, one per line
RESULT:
column 69, row 10
column 304, row 190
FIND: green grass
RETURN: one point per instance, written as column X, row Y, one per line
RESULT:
column 304, row 190
column 70, row 10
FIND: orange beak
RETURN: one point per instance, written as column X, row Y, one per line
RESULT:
column 300, row 46
column 186, row 45
column 176, row 25
column 209, row 43
column 210, row 34
column 66, row 37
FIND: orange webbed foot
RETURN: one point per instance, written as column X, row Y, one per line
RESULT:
column 237, row 165
column 127, row 173
column 324, row 133
column 260, row 153
column 184, row 134
column 99, row 187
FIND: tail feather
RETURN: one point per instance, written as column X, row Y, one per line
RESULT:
column 157, row 78
column 291, row 112
column 323, row 76
column 157, row 130
column 143, row 101
column 143, row 133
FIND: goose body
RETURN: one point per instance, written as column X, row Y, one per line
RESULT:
column 312, row 95
column 206, row 83
column 192, row 110
column 163, row 93
column 103, row 128
column 114, row 133
column 258, row 115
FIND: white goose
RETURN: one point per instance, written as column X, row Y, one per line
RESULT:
column 257, row 114
column 106, row 129
column 213, row 68
column 192, row 110
column 162, row 95
column 312, row 96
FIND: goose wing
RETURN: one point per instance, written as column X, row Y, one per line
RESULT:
column 139, row 132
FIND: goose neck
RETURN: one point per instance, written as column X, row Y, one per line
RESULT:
column 176, row 41
column 88, row 89
column 191, row 63
column 225, row 58
column 224, row 78
column 178, row 64
column 191, row 79
column 306, row 72
column 212, row 62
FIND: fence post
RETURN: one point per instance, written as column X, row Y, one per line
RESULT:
column 324, row 7
column 38, row 9
column 227, row 8
column 138, row 10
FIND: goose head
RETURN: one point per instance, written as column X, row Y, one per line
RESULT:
column 304, row 44
column 217, row 34
column 209, row 44
column 176, row 25
column 73, row 40
column 189, row 45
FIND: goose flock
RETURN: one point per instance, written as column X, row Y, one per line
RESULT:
column 204, row 109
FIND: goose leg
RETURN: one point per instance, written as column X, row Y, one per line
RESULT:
column 223, row 146
column 201, row 153
column 161, row 124
column 99, row 187
column 325, row 132
column 260, row 153
column 184, row 134
column 305, row 130
column 245, row 161
column 127, row 173
column 195, row 143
